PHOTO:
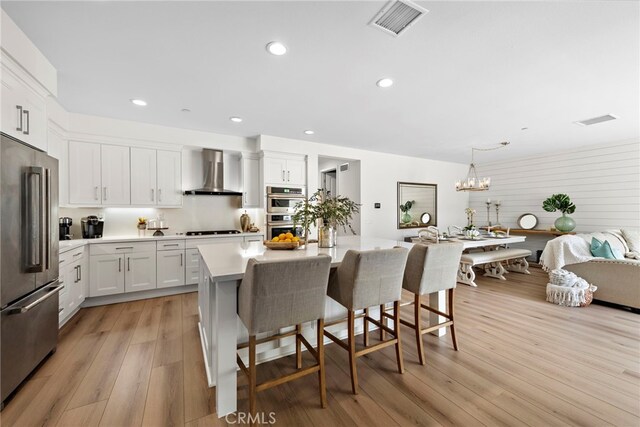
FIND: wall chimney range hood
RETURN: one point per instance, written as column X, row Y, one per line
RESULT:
column 213, row 170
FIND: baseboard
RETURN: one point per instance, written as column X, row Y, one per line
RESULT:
column 134, row 296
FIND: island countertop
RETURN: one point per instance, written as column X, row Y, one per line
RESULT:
column 228, row 261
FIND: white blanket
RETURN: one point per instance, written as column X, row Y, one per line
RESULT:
column 564, row 250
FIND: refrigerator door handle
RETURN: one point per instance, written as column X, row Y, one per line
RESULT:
column 52, row 292
column 47, row 218
column 33, row 259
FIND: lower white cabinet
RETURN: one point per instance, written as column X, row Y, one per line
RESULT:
column 171, row 268
column 107, row 276
column 192, row 273
column 73, row 269
column 140, row 274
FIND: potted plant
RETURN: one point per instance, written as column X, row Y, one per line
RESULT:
column 405, row 208
column 562, row 203
column 331, row 211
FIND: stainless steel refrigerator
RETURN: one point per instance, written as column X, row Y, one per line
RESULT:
column 28, row 261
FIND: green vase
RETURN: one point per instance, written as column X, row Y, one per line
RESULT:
column 565, row 224
column 406, row 217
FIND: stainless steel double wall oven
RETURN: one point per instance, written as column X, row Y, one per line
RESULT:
column 280, row 208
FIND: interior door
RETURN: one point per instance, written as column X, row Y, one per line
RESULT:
column 18, row 226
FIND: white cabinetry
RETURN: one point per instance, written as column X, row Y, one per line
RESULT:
column 98, row 174
column 73, row 269
column 122, row 267
column 282, row 169
column 84, row 173
column 250, row 169
column 156, row 177
column 171, row 260
column 169, row 178
column 116, row 184
column 23, row 110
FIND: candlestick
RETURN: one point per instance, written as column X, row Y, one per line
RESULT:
column 498, row 203
column 488, row 203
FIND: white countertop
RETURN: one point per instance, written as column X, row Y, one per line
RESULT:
column 228, row 261
column 66, row 245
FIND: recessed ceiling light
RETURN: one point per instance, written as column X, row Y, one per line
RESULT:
column 139, row 102
column 386, row 82
column 309, row 132
column 235, row 119
column 276, row 48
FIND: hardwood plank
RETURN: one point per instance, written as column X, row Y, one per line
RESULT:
column 211, row 420
column 85, row 416
column 102, row 374
column 51, row 401
column 149, row 324
column 169, row 342
column 126, row 402
column 164, row 406
column 21, row 401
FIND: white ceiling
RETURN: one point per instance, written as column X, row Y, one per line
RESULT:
column 467, row 74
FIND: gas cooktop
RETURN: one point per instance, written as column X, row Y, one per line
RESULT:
column 209, row 232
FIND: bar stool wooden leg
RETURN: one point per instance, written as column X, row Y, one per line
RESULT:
column 298, row 347
column 321, row 376
column 417, row 309
column 396, row 328
column 382, row 321
column 366, row 327
column 252, row 375
column 452, row 328
column 352, row 351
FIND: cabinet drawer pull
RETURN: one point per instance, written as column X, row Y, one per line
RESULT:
column 95, row 189
column 152, row 195
column 78, row 254
column 283, row 175
column 19, row 127
column 79, row 273
column 26, row 131
column 159, row 195
column 104, row 193
column 181, row 262
column 128, row 264
column 119, row 265
column 124, row 247
column 288, row 176
column 174, row 244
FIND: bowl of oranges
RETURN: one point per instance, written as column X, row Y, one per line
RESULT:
column 284, row 241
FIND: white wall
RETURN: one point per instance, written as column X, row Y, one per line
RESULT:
column 602, row 180
column 380, row 173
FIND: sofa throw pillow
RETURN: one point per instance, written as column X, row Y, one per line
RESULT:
column 633, row 239
column 601, row 249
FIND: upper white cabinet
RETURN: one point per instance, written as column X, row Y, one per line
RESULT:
column 23, row 110
column 143, row 176
column 250, row 169
column 169, row 178
column 98, row 174
column 116, row 184
column 156, row 177
column 281, row 169
column 117, row 175
column 85, row 179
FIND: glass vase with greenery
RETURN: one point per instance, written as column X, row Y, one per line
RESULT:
column 334, row 212
column 405, row 208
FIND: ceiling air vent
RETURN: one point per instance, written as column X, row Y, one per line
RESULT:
column 596, row 120
column 397, row 16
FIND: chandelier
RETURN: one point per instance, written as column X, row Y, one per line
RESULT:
column 472, row 182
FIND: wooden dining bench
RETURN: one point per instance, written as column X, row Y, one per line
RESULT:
column 516, row 260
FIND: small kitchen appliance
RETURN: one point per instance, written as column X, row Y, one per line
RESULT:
column 92, row 227
column 64, row 224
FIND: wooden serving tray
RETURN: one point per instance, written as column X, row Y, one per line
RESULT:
column 282, row 245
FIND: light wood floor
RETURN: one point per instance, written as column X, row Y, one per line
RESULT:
column 522, row 361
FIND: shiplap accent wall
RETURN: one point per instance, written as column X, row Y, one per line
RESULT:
column 603, row 181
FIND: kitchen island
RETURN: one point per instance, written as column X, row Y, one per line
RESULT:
column 222, row 268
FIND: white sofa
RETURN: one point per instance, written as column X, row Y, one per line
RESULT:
column 618, row 280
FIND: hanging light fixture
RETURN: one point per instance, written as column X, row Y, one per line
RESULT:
column 472, row 182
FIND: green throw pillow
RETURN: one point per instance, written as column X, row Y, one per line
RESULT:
column 601, row 249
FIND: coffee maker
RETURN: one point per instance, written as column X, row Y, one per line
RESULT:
column 92, row 227
column 65, row 228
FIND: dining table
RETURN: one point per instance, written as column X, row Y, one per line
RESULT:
column 222, row 267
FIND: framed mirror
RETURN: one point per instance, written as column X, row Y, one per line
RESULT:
column 527, row 221
column 417, row 205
